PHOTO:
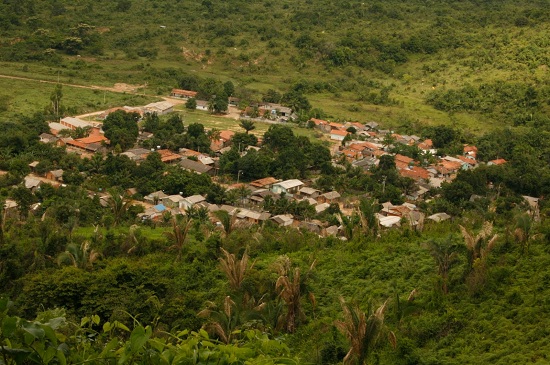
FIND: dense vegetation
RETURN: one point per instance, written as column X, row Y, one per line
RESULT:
column 91, row 282
column 453, row 294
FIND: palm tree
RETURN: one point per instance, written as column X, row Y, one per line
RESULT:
column 478, row 246
column 445, row 254
column 222, row 322
column 247, row 125
column 119, row 205
column 291, row 286
column 362, row 331
column 226, row 322
column 234, row 269
column 524, row 231
column 82, row 256
column 213, row 134
column 226, row 220
column 180, row 229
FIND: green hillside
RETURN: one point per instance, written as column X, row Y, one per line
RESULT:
column 93, row 270
column 426, row 58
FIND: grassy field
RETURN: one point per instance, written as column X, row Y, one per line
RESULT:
column 25, row 97
column 226, row 123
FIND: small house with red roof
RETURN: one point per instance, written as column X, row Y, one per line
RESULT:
column 183, row 94
column 498, row 161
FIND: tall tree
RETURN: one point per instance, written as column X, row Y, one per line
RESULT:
column 247, row 125
column 445, row 254
column 291, row 286
column 362, row 331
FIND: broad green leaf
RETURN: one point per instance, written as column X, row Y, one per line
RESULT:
column 109, row 348
column 8, row 326
column 203, row 333
column 61, row 357
column 121, row 326
column 138, row 338
column 84, row 321
column 96, row 319
column 35, row 330
column 107, row 326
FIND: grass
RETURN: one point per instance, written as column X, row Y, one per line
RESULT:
column 25, row 97
column 226, row 123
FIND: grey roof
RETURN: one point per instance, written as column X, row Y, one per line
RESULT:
column 194, row 199
column 194, row 166
column 331, row 195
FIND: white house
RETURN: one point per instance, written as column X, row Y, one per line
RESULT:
column 288, row 186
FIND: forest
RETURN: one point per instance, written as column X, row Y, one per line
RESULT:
column 83, row 279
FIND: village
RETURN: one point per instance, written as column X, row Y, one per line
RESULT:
column 360, row 144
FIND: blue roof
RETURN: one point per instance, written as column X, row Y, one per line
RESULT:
column 160, row 207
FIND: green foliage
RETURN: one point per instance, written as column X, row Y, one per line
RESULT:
column 121, row 128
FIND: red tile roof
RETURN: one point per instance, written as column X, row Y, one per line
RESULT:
column 498, row 161
column 416, row 173
column 339, row 132
column 180, row 92
column 318, row 121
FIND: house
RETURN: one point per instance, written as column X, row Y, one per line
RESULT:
column 168, row 156
column 372, row 125
column 439, row 217
column 414, row 172
column 153, row 213
column 32, row 183
column 191, row 201
column 183, row 94
column 330, row 197
column 160, row 108
column 338, row 134
column 196, row 167
column 388, row 221
column 426, row 145
column 48, row 138
column 202, row 105
column 33, row 165
column 288, row 186
column 403, row 161
column 155, row 198
column 271, row 109
column 283, row 220
column 74, row 123
column 136, row 154
column 320, row 208
column 55, row 128
column 233, row 101
column 322, row 125
column 172, row 201
column 307, row 192
column 334, row 125
column 55, row 175
column 470, row 151
column 251, row 216
column 498, row 161
column 314, row 226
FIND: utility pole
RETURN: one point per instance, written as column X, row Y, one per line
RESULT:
column 239, row 175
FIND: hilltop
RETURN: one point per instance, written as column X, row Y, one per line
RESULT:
column 472, row 64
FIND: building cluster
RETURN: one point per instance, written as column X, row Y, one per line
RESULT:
column 362, row 145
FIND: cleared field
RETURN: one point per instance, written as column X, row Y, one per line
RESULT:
column 25, row 97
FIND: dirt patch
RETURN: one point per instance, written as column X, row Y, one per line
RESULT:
column 121, row 87
column 233, row 113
